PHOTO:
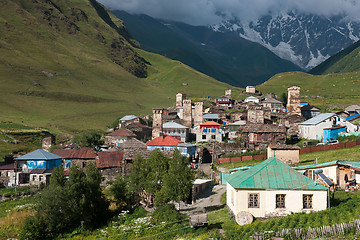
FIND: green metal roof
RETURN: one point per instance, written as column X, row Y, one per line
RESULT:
column 325, row 164
column 272, row 174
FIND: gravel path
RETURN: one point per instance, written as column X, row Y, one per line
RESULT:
column 209, row 199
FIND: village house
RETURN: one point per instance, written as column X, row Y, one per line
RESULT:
column 110, row 165
column 272, row 189
column 313, row 128
column 176, row 130
column 124, row 121
column 259, row 136
column 234, row 127
column 273, row 104
column 168, row 144
column 7, row 172
column 309, row 111
column 118, row 137
column 250, row 89
column 211, row 117
column 353, row 109
column 35, row 168
column 141, row 131
column 289, row 154
column 341, row 173
column 259, row 114
column 251, row 99
column 290, row 121
column 132, row 148
column 238, row 115
column 209, row 131
column 224, row 101
column 80, row 157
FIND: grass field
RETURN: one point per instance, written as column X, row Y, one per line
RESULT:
column 350, row 154
column 328, row 92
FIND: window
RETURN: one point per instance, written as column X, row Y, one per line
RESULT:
column 203, row 136
column 213, row 136
column 307, row 201
column 254, row 200
column 40, row 178
column 34, row 178
column 280, row 200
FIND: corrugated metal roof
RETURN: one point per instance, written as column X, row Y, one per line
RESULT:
column 272, row 174
column 262, row 128
column 128, row 117
column 39, row 154
column 352, row 116
column 211, row 116
column 271, row 100
column 316, row 165
column 186, row 145
column 133, row 143
column 82, row 153
column 7, row 166
column 317, row 119
column 173, row 125
column 109, row 159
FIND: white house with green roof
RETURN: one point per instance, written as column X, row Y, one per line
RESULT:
column 272, row 189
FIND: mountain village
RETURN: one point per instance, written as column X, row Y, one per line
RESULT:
column 179, row 120
column 209, row 132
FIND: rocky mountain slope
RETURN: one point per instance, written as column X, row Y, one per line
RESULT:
column 224, row 56
column 305, row 39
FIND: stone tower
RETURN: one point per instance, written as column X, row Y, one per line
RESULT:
column 157, row 122
column 293, row 103
column 179, row 100
column 255, row 114
column 228, row 93
column 187, row 113
column 198, row 113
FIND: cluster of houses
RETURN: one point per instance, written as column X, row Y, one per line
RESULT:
column 272, row 188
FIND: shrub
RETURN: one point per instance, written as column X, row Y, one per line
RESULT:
column 166, row 213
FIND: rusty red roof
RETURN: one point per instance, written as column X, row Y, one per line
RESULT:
column 38, row 171
column 122, row 132
column 7, row 166
column 165, row 140
column 82, row 153
column 109, row 159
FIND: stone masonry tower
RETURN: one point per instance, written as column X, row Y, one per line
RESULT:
column 187, row 113
column 228, row 93
column 179, row 100
column 293, row 103
column 198, row 113
column 157, row 122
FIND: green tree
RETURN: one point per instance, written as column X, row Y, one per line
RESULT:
column 91, row 139
column 119, row 190
column 65, row 205
column 178, row 181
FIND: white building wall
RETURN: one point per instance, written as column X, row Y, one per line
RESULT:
column 267, row 198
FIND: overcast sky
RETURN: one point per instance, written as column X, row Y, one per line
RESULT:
column 205, row 12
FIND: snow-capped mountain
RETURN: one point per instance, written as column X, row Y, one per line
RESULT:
column 305, row 39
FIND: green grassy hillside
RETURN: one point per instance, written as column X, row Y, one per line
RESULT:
column 347, row 60
column 329, row 92
column 70, row 65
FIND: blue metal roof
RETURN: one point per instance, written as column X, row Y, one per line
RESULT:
column 39, row 154
column 317, row 119
column 272, row 174
column 352, row 116
column 211, row 116
column 128, row 117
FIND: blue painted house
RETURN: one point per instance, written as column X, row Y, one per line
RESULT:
column 35, row 167
column 332, row 133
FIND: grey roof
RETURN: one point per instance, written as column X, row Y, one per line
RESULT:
column 39, row 154
column 128, row 117
column 173, row 125
column 211, row 116
column 317, row 119
column 185, row 145
column 271, row 100
column 352, row 108
column 238, row 123
column 251, row 98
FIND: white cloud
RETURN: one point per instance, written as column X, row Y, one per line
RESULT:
column 205, row 12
